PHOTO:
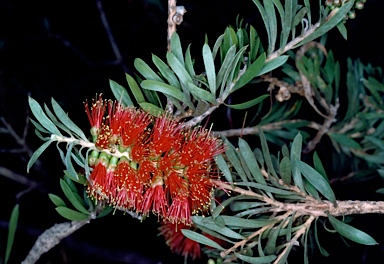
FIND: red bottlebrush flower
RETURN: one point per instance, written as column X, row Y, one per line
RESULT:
column 136, row 121
column 129, row 189
column 179, row 211
column 163, row 168
column 178, row 242
column 166, row 135
column 200, row 146
column 98, row 178
column 95, row 114
column 154, row 199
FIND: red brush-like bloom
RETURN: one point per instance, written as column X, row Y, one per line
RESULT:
column 98, row 187
column 179, row 211
column 162, row 168
column 166, row 135
column 129, row 193
column 178, row 242
column 154, row 199
column 136, row 123
column 95, row 114
column 200, row 146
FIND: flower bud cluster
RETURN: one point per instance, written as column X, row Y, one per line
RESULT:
column 161, row 167
column 333, row 4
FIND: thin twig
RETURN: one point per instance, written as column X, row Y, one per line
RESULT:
column 52, row 236
column 268, row 127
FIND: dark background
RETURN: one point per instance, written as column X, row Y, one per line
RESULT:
column 60, row 49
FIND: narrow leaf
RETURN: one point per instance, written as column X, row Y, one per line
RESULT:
column 63, row 117
column 176, row 47
column 166, row 89
column 135, row 89
column 318, row 181
column 296, row 155
column 250, row 73
column 37, row 154
column 200, row 239
column 120, row 93
column 250, row 160
column 166, row 72
column 351, row 233
column 151, row 108
column 266, row 154
column 72, row 198
column 11, row 231
column 270, row 65
column 223, row 166
column 201, row 94
column 145, row 70
column 189, row 62
column 286, row 170
column 248, row 104
column 257, row 260
column 71, row 214
column 42, row 117
column 56, row 200
column 209, row 68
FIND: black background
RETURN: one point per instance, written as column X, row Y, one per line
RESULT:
column 60, row 49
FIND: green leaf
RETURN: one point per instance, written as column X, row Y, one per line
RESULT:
column 201, row 94
column 344, row 140
column 229, row 57
column 322, row 250
column 296, row 155
column 71, row 214
column 210, row 223
column 233, row 221
column 317, row 180
column 166, row 72
column 329, row 23
column 270, row 247
column 11, row 231
column 166, row 89
column 209, row 68
column 135, row 89
column 257, row 260
column 120, row 93
column 151, row 108
column 176, row 47
column 68, row 163
column 266, row 154
column 178, row 68
column 200, row 239
column 37, row 154
column 56, row 200
column 319, row 166
column 254, row 44
column 189, row 62
column 250, row 160
column 145, row 70
column 63, row 117
column 351, row 233
column 248, row 104
column 42, row 117
column 342, row 29
column 250, row 73
column 273, row 64
column 286, row 170
column 223, row 166
column 234, row 160
column 72, row 198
